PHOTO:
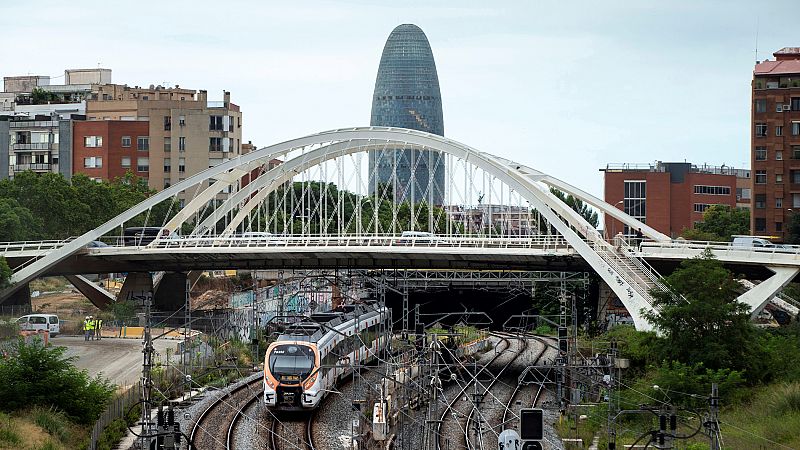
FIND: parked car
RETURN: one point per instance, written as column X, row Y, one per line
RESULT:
column 34, row 322
column 416, row 238
column 752, row 241
column 145, row 235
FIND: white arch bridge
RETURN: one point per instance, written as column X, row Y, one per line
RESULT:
column 312, row 202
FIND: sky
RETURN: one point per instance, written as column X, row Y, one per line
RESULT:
column 566, row 87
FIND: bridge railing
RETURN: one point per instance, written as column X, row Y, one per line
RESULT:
column 27, row 246
column 692, row 247
column 536, row 241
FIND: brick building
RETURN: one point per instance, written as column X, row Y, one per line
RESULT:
column 108, row 149
column 670, row 196
column 775, row 142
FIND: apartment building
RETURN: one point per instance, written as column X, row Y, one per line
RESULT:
column 670, row 196
column 108, row 149
column 775, row 142
column 38, row 142
column 186, row 133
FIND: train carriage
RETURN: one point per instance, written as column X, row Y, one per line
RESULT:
column 305, row 363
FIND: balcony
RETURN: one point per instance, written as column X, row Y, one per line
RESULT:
column 33, row 146
column 33, row 166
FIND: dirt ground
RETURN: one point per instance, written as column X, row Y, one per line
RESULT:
column 71, row 307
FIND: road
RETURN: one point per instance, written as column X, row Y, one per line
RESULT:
column 119, row 360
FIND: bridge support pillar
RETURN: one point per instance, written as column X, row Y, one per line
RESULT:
column 759, row 295
column 170, row 295
column 20, row 297
column 136, row 283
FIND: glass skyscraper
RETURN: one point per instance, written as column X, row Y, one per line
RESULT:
column 407, row 96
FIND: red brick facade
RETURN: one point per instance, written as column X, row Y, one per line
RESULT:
column 675, row 195
column 118, row 142
column 775, row 143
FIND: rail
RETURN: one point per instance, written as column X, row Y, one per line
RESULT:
column 716, row 247
column 537, row 242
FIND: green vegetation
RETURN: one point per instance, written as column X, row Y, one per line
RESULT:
column 35, row 375
column 706, row 338
column 117, row 429
column 719, row 223
column 793, row 229
column 577, row 204
column 5, row 273
column 29, row 202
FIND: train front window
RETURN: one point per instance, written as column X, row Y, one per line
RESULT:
column 291, row 360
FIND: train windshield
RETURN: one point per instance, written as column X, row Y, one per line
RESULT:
column 291, row 360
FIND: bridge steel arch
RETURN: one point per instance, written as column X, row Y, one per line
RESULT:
column 625, row 275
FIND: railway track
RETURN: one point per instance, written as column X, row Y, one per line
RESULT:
column 459, row 406
column 224, row 413
column 508, row 415
column 292, row 433
column 473, row 434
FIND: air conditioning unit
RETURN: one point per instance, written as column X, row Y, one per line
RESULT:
column 787, row 107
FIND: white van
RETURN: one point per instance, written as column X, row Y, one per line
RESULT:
column 33, row 322
column 751, row 241
column 416, row 237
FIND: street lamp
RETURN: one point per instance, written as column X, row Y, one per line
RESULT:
column 613, row 220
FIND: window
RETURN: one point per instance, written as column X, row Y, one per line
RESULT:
column 181, row 165
column 761, row 177
column 215, row 144
column 635, row 200
column 778, row 155
column 181, row 120
column 126, row 141
column 743, row 194
column 761, row 153
column 761, row 130
column 761, row 224
column 761, row 201
column 167, row 123
column 125, row 162
column 93, row 141
column 779, row 203
column 167, row 183
column 167, row 165
column 701, row 207
column 795, row 103
column 778, row 178
column 143, row 143
column 230, row 124
column 795, row 175
column 795, row 200
column 795, row 128
column 778, row 130
column 215, row 123
column 93, row 162
column 142, row 164
column 167, row 144
column 712, row 190
column 778, row 226
column 761, row 105
column 181, row 144
column 239, row 122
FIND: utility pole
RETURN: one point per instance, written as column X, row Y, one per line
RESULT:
column 147, row 364
column 612, row 401
column 712, row 421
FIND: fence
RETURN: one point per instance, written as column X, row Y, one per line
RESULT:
column 14, row 310
column 115, row 410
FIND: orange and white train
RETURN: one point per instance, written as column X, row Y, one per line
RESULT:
column 306, row 362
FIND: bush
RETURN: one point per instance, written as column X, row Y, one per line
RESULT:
column 678, row 379
column 53, row 421
column 37, row 375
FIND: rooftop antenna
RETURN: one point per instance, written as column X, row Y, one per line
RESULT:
column 758, row 22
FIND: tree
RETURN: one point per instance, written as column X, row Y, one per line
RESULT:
column 722, row 221
column 793, row 229
column 17, row 223
column 5, row 273
column 577, row 204
column 707, row 325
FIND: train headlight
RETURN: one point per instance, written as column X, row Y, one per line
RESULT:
column 310, row 381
